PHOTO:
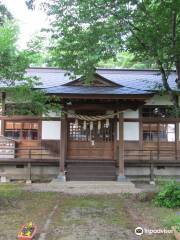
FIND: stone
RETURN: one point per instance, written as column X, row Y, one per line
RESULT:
column 152, row 183
column 3, row 179
column 121, row 178
column 28, row 181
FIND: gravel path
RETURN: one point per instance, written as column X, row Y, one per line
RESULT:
column 84, row 188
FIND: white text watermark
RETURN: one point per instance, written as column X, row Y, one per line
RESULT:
column 140, row 231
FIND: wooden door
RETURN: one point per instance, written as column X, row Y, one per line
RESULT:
column 94, row 144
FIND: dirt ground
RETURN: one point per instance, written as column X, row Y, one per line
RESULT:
column 62, row 216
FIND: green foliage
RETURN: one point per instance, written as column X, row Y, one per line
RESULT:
column 82, row 36
column 4, row 14
column 169, row 195
column 86, row 34
column 30, row 4
column 126, row 60
column 22, row 97
column 13, row 63
column 178, row 227
column 25, row 99
column 37, row 48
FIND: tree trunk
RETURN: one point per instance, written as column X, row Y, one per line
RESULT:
column 173, row 94
column 178, row 73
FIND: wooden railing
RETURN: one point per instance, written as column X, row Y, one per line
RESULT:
column 133, row 157
column 26, row 153
column 152, row 155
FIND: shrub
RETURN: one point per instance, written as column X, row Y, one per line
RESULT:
column 169, row 195
column 177, row 227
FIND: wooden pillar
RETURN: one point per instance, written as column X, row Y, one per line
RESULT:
column 115, row 139
column 176, row 140
column 121, row 176
column 3, row 112
column 28, row 177
column 3, row 103
column 63, row 148
column 140, row 129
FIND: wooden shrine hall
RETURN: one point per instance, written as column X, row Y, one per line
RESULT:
column 117, row 128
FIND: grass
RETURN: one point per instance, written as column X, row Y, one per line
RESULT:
column 108, row 208
column 19, row 207
column 76, row 214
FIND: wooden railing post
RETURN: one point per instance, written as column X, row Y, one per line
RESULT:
column 28, row 179
column 151, row 168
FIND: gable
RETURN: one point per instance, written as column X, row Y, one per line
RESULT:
column 98, row 81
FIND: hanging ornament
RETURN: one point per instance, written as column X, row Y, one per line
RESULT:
column 76, row 123
column 99, row 125
column 91, row 125
column 107, row 123
column 84, row 125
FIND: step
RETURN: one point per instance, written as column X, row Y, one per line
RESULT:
column 91, row 173
column 91, row 167
column 91, row 178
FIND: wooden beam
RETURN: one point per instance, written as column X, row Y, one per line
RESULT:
column 103, row 96
column 121, row 105
column 121, row 147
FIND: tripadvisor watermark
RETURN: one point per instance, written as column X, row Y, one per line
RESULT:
column 140, row 231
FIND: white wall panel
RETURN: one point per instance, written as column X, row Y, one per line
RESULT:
column 131, row 114
column 51, row 130
column 131, row 131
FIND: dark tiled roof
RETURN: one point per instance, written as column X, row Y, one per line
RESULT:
column 145, row 80
column 130, row 81
column 50, row 77
column 82, row 90
column 137, row 79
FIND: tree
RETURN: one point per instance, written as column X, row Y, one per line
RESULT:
column 4, row 14
column 155, row 34
column 85, row 33
column 23, row 92
column 127, row 60
column 38, row 49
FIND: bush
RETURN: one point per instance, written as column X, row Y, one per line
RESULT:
column 169, row 195
column 178, row 227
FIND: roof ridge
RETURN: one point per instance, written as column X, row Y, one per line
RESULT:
column 102, row 68
column 131, row 69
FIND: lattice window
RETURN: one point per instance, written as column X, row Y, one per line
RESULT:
column 21, row 130
column 104, row 134
column 159, row 132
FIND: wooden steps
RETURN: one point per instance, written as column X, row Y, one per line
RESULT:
column 91, row 170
